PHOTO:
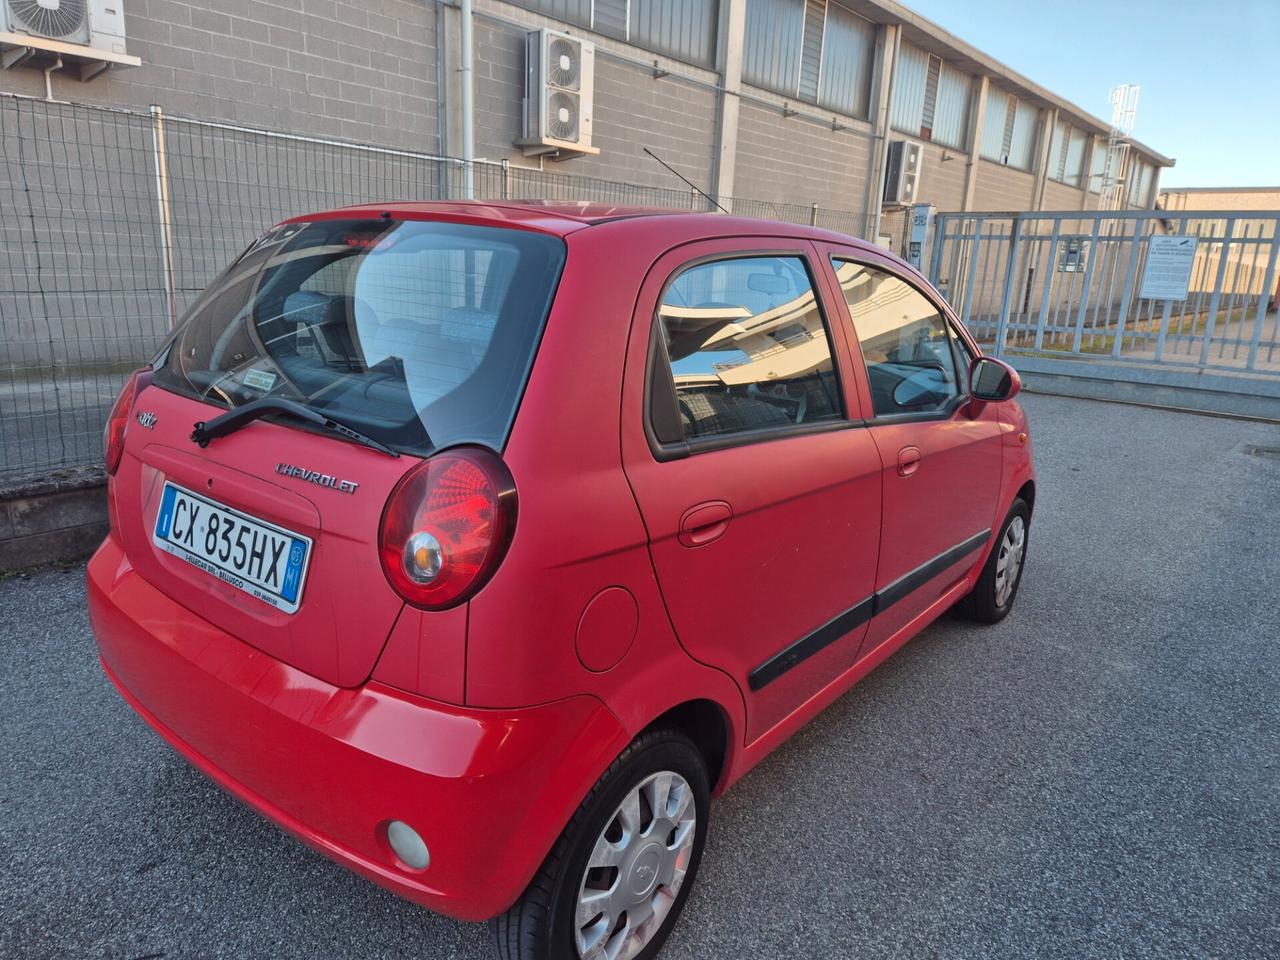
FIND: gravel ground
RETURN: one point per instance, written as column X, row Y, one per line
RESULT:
column 1098, row 776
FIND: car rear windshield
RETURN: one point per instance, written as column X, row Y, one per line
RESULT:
column 418, row 333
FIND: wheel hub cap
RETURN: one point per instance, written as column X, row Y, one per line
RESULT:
column 636, row 869
column 1013, row 546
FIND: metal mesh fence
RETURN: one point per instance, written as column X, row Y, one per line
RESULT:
column 114, row 220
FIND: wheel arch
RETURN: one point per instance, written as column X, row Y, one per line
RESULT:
column 1027, row 492
column 708, row 725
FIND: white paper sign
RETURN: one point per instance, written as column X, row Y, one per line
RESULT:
column 1168, row 270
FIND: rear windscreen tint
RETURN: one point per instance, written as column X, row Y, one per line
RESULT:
column 418, row 333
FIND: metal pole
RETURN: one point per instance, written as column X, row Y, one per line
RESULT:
column 1126, row 298
column 1216, row 297
column 1087, row 285
column 1006, row 301
column 162, row 208
column 1264, row 295
column 468, row 106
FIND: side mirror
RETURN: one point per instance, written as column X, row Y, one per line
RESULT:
column 993, row 380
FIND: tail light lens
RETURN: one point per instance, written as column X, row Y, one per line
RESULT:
column 446, row 527
column 118, row 418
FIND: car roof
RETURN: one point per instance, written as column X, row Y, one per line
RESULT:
column 560, row 217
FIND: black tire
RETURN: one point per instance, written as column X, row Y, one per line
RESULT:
column 982, row 604
column 540, row 926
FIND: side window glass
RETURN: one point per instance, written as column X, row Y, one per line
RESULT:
column 748, row 347
column 905, row 341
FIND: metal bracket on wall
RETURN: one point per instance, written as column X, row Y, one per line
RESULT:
column 659, row 72
column 788, row 112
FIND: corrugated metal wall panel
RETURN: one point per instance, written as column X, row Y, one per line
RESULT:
column 684, row 29
column 815, row 17
column 909, row 76
column 993, row 124
column 1022, row 146
column 611, row 18
column 951, row 116
column 771, row 52
column 848, row 49
column 570, row 11
column 1058, row 150
column 1075, row 156
column 1097, row 166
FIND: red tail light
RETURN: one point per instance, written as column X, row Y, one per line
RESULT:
column 118, row 418
column 446, row 527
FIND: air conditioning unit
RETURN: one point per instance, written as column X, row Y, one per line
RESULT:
column 902, row 172
column 86, row 32
column 558, row 85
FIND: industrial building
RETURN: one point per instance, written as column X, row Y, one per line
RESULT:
column 857, row 106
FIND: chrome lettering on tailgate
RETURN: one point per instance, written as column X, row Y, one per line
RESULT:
column 316, row 477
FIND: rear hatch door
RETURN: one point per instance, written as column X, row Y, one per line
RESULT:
column 416, row 334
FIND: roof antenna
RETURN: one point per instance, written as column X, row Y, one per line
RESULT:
column 695, row 187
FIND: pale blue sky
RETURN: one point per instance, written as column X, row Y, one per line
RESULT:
column 1209, row 71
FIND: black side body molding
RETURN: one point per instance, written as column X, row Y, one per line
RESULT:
column 860, row 613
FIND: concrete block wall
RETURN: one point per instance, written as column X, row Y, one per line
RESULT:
column 942, row 183
column 795, row 160
column 1061, row 196
column 674, row 114
column 1002, row 188
column 356, row 69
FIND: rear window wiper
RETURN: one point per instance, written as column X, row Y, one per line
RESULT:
column 234, row 419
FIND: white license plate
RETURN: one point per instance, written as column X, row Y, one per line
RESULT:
column 263, row 560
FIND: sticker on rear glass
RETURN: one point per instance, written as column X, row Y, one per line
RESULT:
column 259, row 380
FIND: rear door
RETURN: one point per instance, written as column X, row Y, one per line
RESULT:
column 760, row 489
column 941, row 455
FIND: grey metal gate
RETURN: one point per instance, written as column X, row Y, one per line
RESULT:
column 1093, row 284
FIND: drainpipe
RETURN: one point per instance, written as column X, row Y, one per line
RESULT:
column 48, row 77
column 468, row 106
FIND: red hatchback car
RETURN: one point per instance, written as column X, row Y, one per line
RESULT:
column 478, row 545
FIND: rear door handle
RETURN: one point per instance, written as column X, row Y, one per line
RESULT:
column 909, row 461
column 704, row 523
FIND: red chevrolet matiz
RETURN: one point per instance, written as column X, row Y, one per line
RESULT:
column 479, row 545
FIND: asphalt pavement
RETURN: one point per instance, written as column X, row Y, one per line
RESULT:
column 1096, row 777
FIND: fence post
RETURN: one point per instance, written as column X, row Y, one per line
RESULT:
column 1130, row 277
column 813, row 215
column 506, row 179
column 161, row 164
column 939, row 235
column 1264, row 296
column 1006, row 300
column 1215, row 298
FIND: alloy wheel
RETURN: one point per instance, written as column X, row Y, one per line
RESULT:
column 636, row 869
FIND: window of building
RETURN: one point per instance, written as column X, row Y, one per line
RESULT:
column 848, row 49
column 816, row 51
column 1098, row 166
column 747, row 348
column 1073, row 168
column 1009, row 130
column 682, row 29
column 930, row 98
column 1066, row 153
column 905, row 341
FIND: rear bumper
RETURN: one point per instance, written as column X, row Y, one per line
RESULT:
column 488, row 790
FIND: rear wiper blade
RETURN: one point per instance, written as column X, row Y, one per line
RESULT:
column 234, row 419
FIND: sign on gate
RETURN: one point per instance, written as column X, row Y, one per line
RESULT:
column 1168, row 271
